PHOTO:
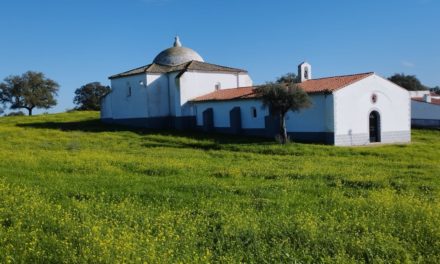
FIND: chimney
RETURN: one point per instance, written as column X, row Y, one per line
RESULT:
column 427, row 98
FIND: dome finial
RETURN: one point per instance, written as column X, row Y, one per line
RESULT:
column 177, row 55
column 177, row 42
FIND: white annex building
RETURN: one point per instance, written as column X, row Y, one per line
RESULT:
column 179, row 90
column 425, row 109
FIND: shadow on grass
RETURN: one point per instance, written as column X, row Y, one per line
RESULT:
column 192, row 139
column 156, row 138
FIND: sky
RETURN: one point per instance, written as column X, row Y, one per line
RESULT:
column 75, row 42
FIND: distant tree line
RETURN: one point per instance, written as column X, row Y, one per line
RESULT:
column 411, row 83
column 33, row 90
column 88, row 97
column 436, row 90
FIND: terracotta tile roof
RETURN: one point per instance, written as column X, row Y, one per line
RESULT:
column 188, row 66
column 228, row 94
column 433, row 100
column 321, row 85
column 331, row 84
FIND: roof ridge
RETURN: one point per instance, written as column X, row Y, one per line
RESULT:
column 234, row 88
column 218, row 65
column 148, row 67
column 339, row 76
column 137, row 68
column 188, row 64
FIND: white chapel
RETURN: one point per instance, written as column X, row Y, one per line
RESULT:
column 180, row 90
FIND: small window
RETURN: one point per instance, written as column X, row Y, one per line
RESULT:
column 254, row 112
column 306, row 73
column 218, row 86
column 128, row 89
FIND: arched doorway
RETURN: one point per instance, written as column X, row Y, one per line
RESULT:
column 374, row 126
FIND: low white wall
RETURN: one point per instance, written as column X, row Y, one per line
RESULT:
column 419, row 93
column 422, row 110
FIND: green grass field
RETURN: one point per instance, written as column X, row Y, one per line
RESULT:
column 73, row 190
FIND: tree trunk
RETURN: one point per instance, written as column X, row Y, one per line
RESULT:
column 29, row 111
column 283, row 131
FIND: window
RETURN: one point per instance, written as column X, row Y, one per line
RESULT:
column 253, row 112
column 306, row 73
column 374, row 98
column 128, row 89
column 218, row 86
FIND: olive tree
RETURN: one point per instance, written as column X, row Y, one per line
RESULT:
column 282, row 97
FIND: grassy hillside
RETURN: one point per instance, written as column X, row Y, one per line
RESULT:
column 74, row 190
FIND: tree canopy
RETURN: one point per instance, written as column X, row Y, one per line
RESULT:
column 88, row 97
column 436, row 90
column 409, row 82
column 288, row 78
column 282, row 97
column 28, row 91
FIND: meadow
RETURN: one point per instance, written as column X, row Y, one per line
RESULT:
column 73, row 190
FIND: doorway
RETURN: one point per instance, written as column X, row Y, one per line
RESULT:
column 374, row 127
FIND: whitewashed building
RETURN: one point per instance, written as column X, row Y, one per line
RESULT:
column 157, row 95
column 425, row 109
column 179, row 90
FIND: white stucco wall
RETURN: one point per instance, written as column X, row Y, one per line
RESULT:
column 194, row 84
column 149, row 97
column 244, row 80
column 164, row 94
column 174, row 93
column 353, row 105
column 419, row 93
column 317, row 118
column 158, row 99
column 106, row 107
column 124, row 106
column 221, row 111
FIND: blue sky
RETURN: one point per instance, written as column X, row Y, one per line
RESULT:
column 79, row 41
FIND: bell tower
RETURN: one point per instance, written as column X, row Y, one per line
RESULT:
column 304, row 71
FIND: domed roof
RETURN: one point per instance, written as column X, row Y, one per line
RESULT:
column 177, row 55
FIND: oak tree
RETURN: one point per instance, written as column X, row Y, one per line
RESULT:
column 28, row 91
column 88, row 97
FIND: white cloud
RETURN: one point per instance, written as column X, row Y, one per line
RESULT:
column 408, row 64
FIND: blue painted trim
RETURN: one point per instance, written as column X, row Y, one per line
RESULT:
column 189, row 123
column 166, row 122
column 425, row 123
